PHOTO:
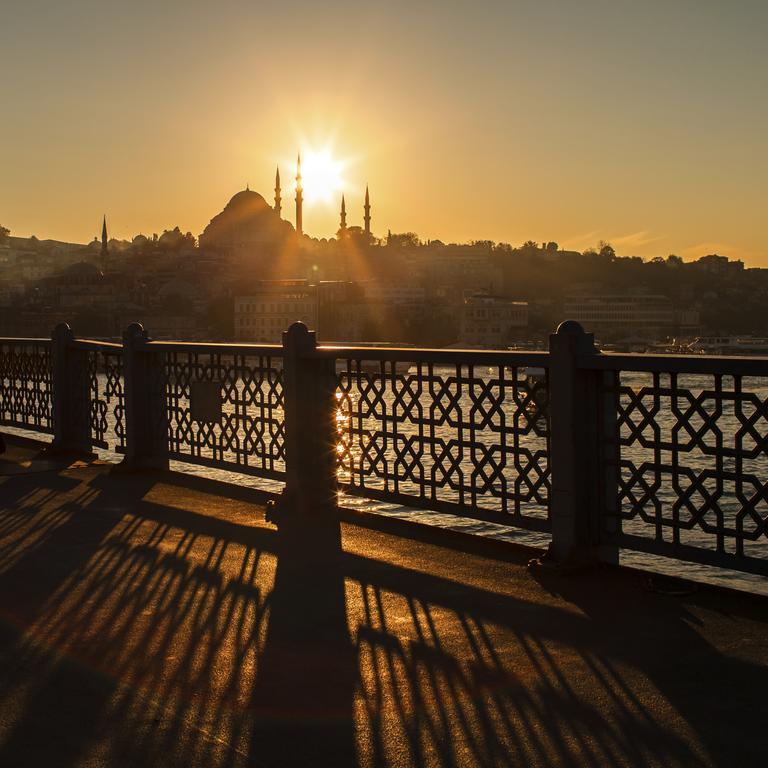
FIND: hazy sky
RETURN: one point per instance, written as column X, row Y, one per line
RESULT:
column 643, row 123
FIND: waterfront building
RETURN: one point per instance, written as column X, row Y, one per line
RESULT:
column 614, row 315
column 395, row 292
column 491, row 321
column 341, row 314
column 262, row 314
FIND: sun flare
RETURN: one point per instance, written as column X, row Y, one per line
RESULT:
column 321, row 176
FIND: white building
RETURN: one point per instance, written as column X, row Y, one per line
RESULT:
column 262, row 315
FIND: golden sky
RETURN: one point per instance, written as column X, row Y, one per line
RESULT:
column 642, row 123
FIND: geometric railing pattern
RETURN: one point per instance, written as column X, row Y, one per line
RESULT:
column 658, row 454
column 691, row 465
column 248, row 434
column 26, row 384
column 462, row 437
column 107, row 397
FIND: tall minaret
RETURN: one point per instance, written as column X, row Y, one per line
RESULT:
column 278, row 199
column 299, row 198
column 104, row 240
column 367, row 217
column 343, row 223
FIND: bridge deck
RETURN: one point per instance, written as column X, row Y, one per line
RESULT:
column 158, row 620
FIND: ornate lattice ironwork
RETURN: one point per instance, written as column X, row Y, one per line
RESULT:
column 26, row 385
column 248, row 435
column 97, row 392
column 690, row 460
column 460, row 438
column 107, row 398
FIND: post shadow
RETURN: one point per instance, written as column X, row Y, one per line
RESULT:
column 303, row 695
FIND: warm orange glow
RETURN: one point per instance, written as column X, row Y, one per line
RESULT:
column 321, row 176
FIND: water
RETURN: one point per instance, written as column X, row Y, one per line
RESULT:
column 722, row 425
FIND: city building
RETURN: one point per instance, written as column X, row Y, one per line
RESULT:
column 271, row 306
column 491, row 321
column 614, row 315
column 396, row 292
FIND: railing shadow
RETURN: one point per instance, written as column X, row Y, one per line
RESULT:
column 143, row 628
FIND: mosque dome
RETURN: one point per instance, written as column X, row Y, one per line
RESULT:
column 247, row 220
column 247, row 198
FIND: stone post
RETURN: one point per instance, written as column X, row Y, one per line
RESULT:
column 71, row 394
column 146, row 431
column 574, row 444
column 310, row 429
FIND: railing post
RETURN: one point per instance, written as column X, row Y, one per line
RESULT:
column 71, row 394
column 574, row 445
column 146, row 433
column 310, row 428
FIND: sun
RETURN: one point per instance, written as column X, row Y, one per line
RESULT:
column 321, row 176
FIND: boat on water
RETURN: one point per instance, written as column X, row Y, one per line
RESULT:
column 729, row 345
column 371, row 366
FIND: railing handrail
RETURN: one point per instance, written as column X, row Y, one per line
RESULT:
column 95, row 345
column 701, row 364
column 273, row 350
column 440, row 356
column 24, row 340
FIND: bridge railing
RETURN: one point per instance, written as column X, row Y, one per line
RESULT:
column 219, row 405
column 26, row 384
column 605, row 453
column 461, row 432
column 685, row 457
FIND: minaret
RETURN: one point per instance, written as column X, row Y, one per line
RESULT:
column 299, row 198
column 343, row 223
column 367, row 217
column 278, row 199
column 104, row 240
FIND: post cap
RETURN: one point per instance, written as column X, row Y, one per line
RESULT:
column 299, row 336
column 62, row 331
column 570, row 327
column 135, row 331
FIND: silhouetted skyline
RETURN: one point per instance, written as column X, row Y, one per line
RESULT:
column 640, row 124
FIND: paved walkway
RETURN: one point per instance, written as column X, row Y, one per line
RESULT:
column 158, row 620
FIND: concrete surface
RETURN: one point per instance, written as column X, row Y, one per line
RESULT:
column 158, row 620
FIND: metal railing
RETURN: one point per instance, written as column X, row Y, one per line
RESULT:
column 658, row 454
column 26, row 384
column 686, row 455
column 223, row 405
column 459, row 432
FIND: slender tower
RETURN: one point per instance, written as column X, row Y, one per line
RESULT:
column 343, row 222
column 104, row 241
column 367, row 217
column 278, row 199
column 299, row 198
